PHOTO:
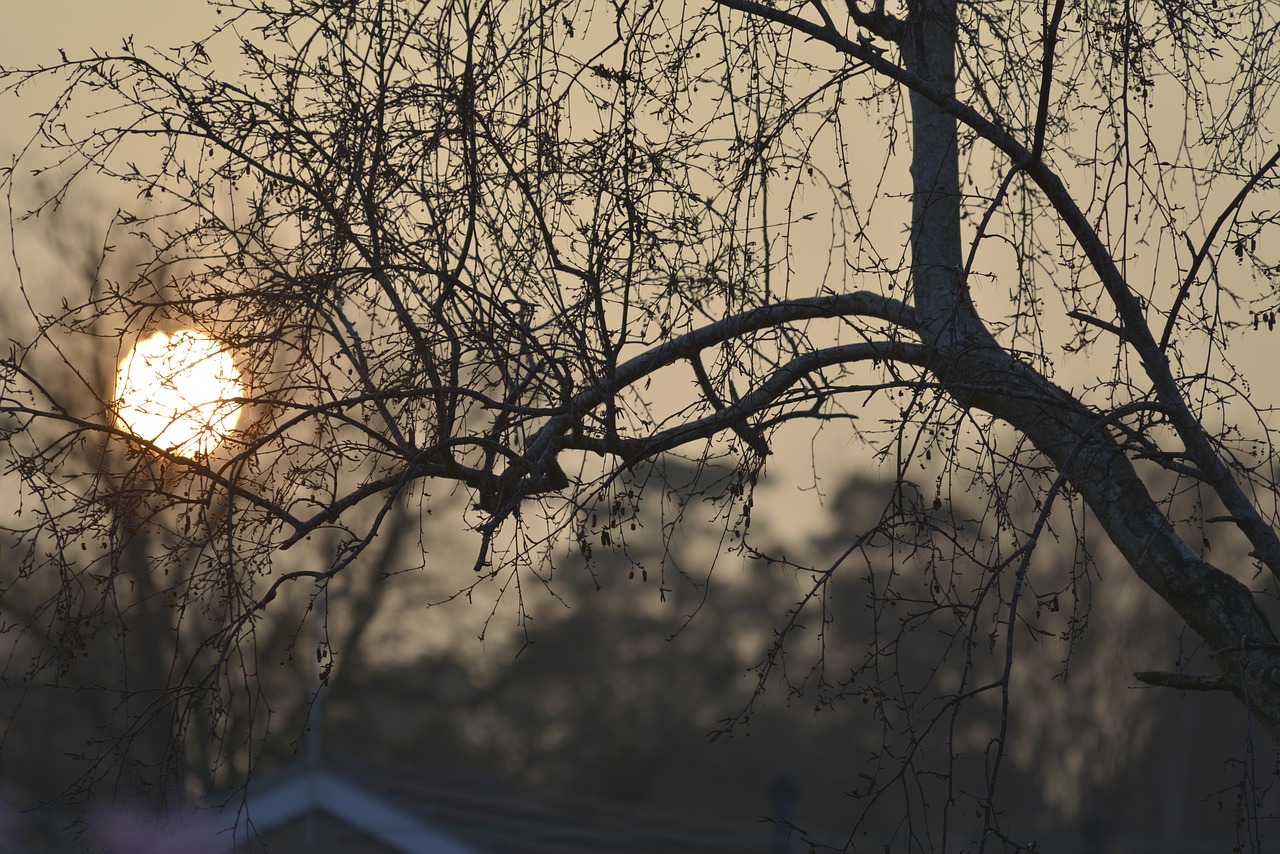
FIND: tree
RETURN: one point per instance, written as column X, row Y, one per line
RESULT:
column 535, row 251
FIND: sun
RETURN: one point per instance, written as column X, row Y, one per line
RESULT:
column 179, row 391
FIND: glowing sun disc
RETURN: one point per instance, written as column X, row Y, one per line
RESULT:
column 179, row 392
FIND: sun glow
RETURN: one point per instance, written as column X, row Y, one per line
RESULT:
column 180, row 392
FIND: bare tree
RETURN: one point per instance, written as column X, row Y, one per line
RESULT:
column 535, row 250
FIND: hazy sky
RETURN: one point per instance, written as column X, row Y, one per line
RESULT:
column 34, row 30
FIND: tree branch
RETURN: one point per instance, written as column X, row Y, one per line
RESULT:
column 1183, row 681
column 1189, row 280
column 1131, row 311
column 744, row 430
column 1046, row 78
column 548, row 438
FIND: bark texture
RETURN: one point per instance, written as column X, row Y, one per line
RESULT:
column 1077, row 439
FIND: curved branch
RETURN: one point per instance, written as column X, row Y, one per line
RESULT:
column 1216, row 606
column 549, row 438
column 1130, row 309
column 761, row 398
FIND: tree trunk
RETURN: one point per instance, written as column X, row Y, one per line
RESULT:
column 979, row 373
column 939, row 288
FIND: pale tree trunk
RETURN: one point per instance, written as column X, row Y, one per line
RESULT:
column 1077, row 439
column 938, row 286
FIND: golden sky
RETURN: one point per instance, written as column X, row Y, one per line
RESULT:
column 34, row 31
